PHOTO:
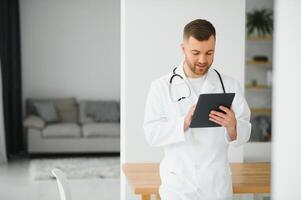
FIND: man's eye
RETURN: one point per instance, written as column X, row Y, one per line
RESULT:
column 195, row 53
column 209, row 54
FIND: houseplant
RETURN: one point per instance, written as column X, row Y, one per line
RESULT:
column 260, row 22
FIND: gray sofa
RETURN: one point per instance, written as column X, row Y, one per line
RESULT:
column 68, row 126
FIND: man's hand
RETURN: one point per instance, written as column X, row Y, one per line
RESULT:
column 227, row 120
column 188, row 117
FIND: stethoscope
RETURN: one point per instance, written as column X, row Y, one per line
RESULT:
column 189, row 93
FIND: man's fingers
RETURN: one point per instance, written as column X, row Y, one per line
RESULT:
column 192, row 109
column 216, row 121
column 218, row 118
column 222, row 115
column 225, row 109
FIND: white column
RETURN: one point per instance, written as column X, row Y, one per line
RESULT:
column 286, row 171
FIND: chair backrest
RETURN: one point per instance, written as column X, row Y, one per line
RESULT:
column 62, row 184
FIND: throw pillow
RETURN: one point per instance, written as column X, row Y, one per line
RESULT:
column 67, row 109
column 103, row 111
column 47, row 111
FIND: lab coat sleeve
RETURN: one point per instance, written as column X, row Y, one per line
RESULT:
column 159, row 128
column 242, row 114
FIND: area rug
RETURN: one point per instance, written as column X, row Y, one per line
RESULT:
column 76, row 168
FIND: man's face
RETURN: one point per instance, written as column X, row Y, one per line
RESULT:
column 198, row 55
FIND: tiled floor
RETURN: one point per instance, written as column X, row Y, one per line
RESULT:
column 16, row 184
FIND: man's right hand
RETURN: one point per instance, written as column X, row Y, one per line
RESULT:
column 188, row 117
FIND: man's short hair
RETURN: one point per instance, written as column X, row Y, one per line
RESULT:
column 200, row 29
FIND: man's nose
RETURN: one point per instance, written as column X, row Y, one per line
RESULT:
column 202, row 59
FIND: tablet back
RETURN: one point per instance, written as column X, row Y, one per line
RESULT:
column 205, row 104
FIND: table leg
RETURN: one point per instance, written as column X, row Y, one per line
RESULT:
column 145, row 197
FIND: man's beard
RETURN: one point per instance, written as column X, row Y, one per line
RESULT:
column 196, row 71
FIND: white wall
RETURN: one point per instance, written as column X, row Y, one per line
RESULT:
column 153, row 33
column 70, row 48
column 286, row 173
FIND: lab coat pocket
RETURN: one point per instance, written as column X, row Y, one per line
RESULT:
column 174, row 181
column 183, row 186
column 215, row 182
column 223, row 183
column 169, row 175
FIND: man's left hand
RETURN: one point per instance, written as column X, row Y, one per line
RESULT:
column 227, row 120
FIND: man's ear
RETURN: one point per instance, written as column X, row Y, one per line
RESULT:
column 183, row 47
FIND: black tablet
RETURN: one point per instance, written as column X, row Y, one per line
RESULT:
column 205, row 104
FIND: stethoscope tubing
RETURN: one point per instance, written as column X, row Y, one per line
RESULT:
column 178, row 75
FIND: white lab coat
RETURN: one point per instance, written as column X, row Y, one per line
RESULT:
column 195, row 164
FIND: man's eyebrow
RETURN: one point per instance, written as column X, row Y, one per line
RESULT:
column 199, row 51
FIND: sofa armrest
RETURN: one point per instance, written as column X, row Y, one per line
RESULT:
column 33, row 121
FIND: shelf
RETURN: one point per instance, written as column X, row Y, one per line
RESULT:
column 260, row 38
column 260, row 87
column 252, row 62
column 261, row 110
column 266, row 65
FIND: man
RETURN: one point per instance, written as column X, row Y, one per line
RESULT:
column 195, row 163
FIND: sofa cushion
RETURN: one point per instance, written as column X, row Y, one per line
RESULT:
column 62, row 130
column 105, row 129
column 47, row 111
column 33, row 121
column 103, row 111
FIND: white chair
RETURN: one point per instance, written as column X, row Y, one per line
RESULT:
column 62, row 184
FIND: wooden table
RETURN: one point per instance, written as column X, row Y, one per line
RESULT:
column 246, row 178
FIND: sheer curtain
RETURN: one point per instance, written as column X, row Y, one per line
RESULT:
column 3, row 158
